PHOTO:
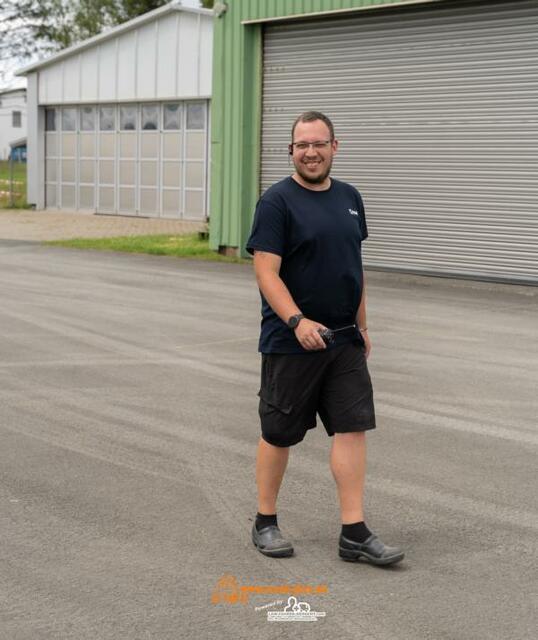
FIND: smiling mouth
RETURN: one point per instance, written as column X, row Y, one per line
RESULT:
column 313, row 164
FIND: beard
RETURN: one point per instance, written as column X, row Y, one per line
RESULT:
column 314, row 179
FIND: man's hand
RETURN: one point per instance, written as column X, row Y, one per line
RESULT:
column 367, row 343
column 307, row 333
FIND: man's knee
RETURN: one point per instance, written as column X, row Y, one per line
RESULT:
column 351, row 436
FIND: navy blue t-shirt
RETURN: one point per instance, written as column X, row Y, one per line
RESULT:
column 318, row 234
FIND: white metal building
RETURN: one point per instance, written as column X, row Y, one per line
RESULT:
column 119, row 123
column 12, row 118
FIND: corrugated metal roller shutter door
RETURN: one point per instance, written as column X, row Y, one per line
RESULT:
column 436, row 110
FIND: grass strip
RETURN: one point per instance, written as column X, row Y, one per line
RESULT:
column 19, row 185
column 183, row 246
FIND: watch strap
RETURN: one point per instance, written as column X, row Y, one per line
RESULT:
column 294, row 320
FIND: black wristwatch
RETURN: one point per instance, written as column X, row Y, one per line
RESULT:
column 293, row 322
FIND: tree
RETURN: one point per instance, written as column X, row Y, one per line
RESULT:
column 29, row 28
column 207, row 4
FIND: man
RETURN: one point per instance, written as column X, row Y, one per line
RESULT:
column 306, row 241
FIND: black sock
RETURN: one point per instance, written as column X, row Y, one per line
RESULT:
column 357, row 531
column 264, row 520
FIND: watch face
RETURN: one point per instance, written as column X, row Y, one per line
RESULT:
column 294, row 321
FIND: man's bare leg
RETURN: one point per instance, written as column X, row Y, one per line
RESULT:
column 271, row 464
column 348, row 466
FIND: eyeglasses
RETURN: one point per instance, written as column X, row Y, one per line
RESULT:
column 319, row 145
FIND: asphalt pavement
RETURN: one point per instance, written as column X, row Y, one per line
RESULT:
column 128, row 430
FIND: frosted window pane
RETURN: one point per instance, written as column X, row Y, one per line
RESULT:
column 87, row 119
column 148, row 200
column 194, row 203
column 51, row 144
column 148, row 174
column 69, row 119
column 106, row 172
column 68, row 171
column 194, row 177
column 195, row 146
column 86, row 197
column 107, row 118
column 50, row 119
column 172, row 174
column 50, row 195
column 171, row 202
column 172, row 117
column 172, row 146
column 128, row 118
column 87, row 145
column 87, row 171
column 149, row 145
column 196, row 115
column 127, row 200
column 150, row 116
column 127, row 172
column 69, row 145
column 106, row 198
column 127, row 145
column 50, row 171
column 107, row 146
column 68, row 197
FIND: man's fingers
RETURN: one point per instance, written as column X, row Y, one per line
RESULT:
column 316, row 341
column 313, row 342
column 308, row 335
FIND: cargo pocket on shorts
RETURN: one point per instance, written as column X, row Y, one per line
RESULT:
column 270, row 402
column 275, row 416
column 277, row 403
column 271, row 394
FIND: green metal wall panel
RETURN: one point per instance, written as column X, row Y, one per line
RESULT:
column 236, row 107
column 257, row 9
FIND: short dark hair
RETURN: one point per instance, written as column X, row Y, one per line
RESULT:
column 312, row 116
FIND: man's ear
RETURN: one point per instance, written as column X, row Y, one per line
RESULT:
column 290, row 149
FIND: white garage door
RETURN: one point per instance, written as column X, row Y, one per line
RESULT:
column 132, row 159
column 436, row 110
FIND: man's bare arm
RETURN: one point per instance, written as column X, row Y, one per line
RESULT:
column 267, row 270
column 361, row 319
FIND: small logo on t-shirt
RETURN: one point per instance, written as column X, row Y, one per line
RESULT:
column 353, row 213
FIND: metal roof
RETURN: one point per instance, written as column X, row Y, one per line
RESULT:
column 175, row 5
column 20, row 142
column 5, row 92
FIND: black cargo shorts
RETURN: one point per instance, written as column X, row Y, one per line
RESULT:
column 333, row 383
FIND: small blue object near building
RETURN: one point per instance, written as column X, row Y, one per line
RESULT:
column 18, row 150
